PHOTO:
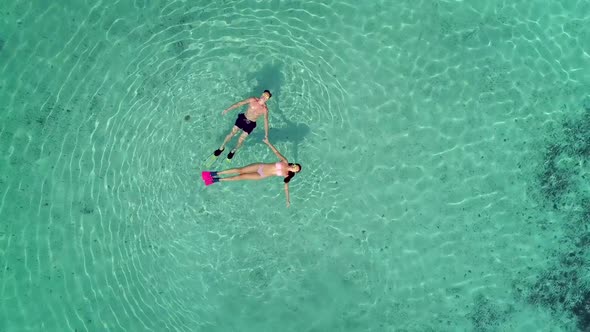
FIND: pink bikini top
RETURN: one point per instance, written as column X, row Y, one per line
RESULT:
column 279, row 167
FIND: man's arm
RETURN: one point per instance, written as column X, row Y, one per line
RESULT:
column 266, row 124
column 236, row 105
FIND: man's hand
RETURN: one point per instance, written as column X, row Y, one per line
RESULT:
column 265, row 140
column 288, row 204
column 224, row 112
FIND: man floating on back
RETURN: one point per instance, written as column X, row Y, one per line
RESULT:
column 245, row 122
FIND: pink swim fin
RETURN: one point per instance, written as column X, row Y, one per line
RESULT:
column 208, row 178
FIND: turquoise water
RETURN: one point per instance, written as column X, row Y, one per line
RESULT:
column 444, row 147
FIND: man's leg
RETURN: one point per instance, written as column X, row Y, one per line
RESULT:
column 240, row 142
column 229, row 136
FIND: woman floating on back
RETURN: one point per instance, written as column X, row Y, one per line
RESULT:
column 257, row 171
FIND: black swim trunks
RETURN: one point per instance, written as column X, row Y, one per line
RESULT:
column 246, row 125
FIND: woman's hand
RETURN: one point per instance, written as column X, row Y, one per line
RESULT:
column 287, row 195
column 265, row 140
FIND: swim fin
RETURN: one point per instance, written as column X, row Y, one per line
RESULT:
column 210, row 161
column 209, row 178
column 212, row 158
column 230, row 156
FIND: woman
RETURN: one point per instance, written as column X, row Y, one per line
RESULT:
column 258, row 171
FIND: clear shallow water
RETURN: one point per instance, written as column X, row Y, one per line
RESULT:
column 430, row 198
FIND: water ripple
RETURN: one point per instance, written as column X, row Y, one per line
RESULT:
column 113, row 106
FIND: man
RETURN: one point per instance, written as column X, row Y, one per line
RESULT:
column 246, row 121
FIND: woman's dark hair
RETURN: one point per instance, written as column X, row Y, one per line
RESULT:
column 290, row 175
column 269, row 94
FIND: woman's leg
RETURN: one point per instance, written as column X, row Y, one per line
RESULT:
column 252, row 168
column 248, row 176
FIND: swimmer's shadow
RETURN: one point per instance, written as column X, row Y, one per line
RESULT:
column 294, row 133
